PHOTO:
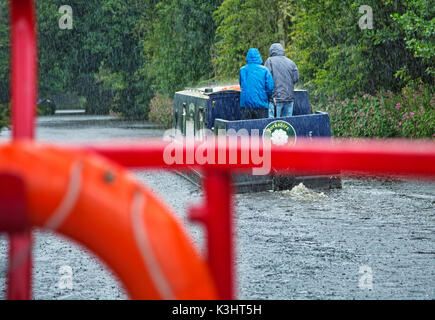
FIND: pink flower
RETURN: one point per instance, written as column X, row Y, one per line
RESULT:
column 400, row 124
column 398, row 106
column 411, row 114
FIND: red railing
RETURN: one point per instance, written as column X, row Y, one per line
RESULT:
column 367, row 157
column 397, row 158
column 23, row 92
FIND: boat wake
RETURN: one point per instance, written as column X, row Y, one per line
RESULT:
column 302, row 193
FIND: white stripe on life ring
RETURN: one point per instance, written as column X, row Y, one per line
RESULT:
column 142, row 242
column 69, row 200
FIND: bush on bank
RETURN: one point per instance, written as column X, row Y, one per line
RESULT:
column 46, row 108
column 407, row 114
column 161, row 109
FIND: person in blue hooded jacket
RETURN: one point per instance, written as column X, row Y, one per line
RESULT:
column 256, row 85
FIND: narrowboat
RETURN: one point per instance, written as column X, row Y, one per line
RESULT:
column 218, row 109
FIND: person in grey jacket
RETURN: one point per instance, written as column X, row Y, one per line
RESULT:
column 285, row 74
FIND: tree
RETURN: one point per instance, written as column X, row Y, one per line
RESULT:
column 178, row 45
column 99, row 58
column 418, row 23
column 243, row 24
column 4, row 53
column 335, row 56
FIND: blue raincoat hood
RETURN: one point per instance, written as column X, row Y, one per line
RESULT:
column 255, row 81
column 254, row 56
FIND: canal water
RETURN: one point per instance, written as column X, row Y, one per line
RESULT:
column 372, row 239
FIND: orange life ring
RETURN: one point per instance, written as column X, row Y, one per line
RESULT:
column 98, row 204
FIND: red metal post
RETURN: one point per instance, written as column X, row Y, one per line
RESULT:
column 23, row 68
column 12, row 208
column 217, row 214
column 13, row 220
column 23, row 93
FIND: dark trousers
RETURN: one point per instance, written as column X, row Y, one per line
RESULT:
column 254, row 113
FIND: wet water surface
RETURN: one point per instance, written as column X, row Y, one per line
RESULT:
column 373, row 239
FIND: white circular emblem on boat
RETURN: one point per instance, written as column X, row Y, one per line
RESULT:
column 280, row 133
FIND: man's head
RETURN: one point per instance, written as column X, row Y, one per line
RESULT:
column 276, row 49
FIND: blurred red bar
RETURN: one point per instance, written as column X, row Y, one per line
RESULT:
column 23, row 93
column 216, row 214
column 410, row 158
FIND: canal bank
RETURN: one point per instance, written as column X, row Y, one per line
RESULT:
column 290, row 245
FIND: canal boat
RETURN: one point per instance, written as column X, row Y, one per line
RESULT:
column 218, row 109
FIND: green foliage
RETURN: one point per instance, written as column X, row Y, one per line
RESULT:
column 98, row 58
column 4, row 65
column 178, row 44
column 418, row 23
column 336, row 56
column 4, row 52
column 410, row 113
column 4, row 115
column 161, row 109
column 118, row 74
column 46, row 108
column 120, row 51
column 323, row 37
column 243, row 24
